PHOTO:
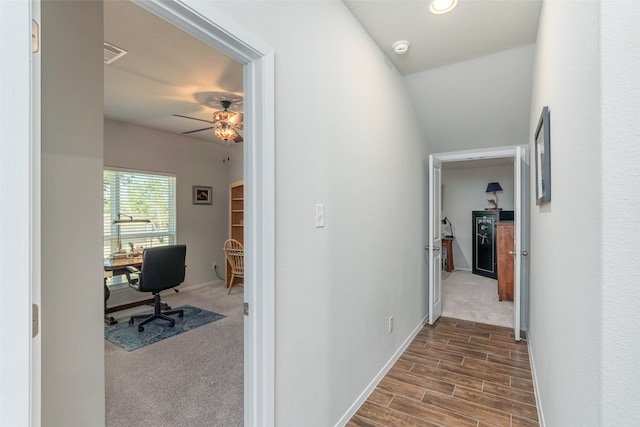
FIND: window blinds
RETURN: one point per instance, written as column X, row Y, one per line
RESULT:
column 139, row 196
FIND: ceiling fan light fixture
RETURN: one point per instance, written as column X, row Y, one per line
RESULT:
column 225, row 133
column 223, row 116
column 440, row 7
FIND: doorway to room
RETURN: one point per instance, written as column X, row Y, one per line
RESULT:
column 517, row 157
column 465, row 294
column 257, row 172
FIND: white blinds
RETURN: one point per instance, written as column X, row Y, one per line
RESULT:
column 141, row 196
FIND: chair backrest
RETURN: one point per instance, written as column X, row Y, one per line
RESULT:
column 234, row 252
column 162, row 268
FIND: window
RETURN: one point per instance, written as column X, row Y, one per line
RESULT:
column 150, row 197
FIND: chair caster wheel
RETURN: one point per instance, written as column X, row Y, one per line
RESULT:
column 140, row 328
column 131, row 321
column 172, row 323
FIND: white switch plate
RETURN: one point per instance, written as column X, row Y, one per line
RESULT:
column 319, row 215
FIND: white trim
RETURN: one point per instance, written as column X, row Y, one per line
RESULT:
column 204, row 21
column 380, row 375
column 18, row 214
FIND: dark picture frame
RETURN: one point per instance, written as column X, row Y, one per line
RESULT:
column 543, row 158
column 201, row 195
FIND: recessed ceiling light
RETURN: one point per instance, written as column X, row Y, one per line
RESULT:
column 440, row 7
column 401, row 46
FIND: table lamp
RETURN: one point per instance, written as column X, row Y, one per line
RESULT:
column 492, row 187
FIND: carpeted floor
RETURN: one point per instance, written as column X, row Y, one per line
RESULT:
column 191, row 379
column 467, row 296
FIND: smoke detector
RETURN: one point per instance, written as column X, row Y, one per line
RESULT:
column 112, row 53
column 401, row 47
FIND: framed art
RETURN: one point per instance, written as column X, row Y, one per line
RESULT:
column 543, row 159
column 201, row 195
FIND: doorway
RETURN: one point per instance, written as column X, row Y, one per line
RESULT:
column 466, row 295
column 519, row 159
column 203, row 22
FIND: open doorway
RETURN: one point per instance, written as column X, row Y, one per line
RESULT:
column 256, row 311
column 513, row 252
column 466, row 294
column 152, row 97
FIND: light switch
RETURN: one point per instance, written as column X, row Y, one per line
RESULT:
column 319, row 215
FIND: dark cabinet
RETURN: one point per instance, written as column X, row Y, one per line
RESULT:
column 484, row 241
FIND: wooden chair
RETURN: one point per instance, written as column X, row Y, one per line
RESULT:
column 234, row 253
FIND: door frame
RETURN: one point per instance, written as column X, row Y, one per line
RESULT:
column 205, row 22
column 516, row 153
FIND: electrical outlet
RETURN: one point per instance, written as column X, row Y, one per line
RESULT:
column 390, row 324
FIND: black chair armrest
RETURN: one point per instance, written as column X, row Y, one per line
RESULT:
column 132, row 271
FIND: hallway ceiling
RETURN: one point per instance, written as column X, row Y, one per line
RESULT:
column 167, row 71
column 474, row 28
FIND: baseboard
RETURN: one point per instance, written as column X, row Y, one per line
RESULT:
column 372, row 385
column 536, row 389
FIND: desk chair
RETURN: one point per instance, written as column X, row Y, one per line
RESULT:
column 234, row 252
column 162, row 268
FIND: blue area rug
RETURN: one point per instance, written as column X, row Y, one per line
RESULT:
column 127, row 336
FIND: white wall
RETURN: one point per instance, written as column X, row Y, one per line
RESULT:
column 336, row 286
column 203, row 228
column 463, row 192
column 479, row 103
column 620, row 152
column 566, row 279
column 72, row 291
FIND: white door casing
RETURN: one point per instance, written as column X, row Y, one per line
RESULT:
column 19, row 218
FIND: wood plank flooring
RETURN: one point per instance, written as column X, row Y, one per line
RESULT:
column 455, row 373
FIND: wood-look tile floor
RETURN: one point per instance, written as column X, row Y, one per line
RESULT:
column 455, row 373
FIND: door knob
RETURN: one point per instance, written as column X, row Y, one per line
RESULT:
column 436, row 248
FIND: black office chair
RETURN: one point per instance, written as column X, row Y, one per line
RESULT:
column 162, row 268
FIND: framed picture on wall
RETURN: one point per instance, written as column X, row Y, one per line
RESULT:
column 201, row 195
column 543, row 159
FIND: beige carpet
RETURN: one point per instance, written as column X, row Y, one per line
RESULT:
column 468, row 296
column 191, row 379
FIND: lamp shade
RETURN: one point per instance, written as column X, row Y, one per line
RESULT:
column 493, row 187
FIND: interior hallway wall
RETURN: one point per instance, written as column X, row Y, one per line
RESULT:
column 337, row 286
column 464, row 192
column 586, row 72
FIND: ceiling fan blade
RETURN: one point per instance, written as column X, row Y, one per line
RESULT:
column 192, row 118
column 238, row 139
column 197, row 130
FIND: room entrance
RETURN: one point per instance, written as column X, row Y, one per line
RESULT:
column 518, row 158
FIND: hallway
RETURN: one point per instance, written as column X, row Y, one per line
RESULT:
column 455, row 373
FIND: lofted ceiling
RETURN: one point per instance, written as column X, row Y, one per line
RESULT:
column 167, row 71
column 474, row 28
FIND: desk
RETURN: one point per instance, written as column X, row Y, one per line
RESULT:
column 447, row 243
column 118, row 267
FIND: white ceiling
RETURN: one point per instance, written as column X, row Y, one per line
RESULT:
column 165, row 72
column 168, row 72
column 474, row 28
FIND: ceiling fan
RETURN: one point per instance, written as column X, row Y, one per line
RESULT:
column 225, row 124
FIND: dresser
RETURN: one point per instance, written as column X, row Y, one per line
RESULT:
column 505, row 261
